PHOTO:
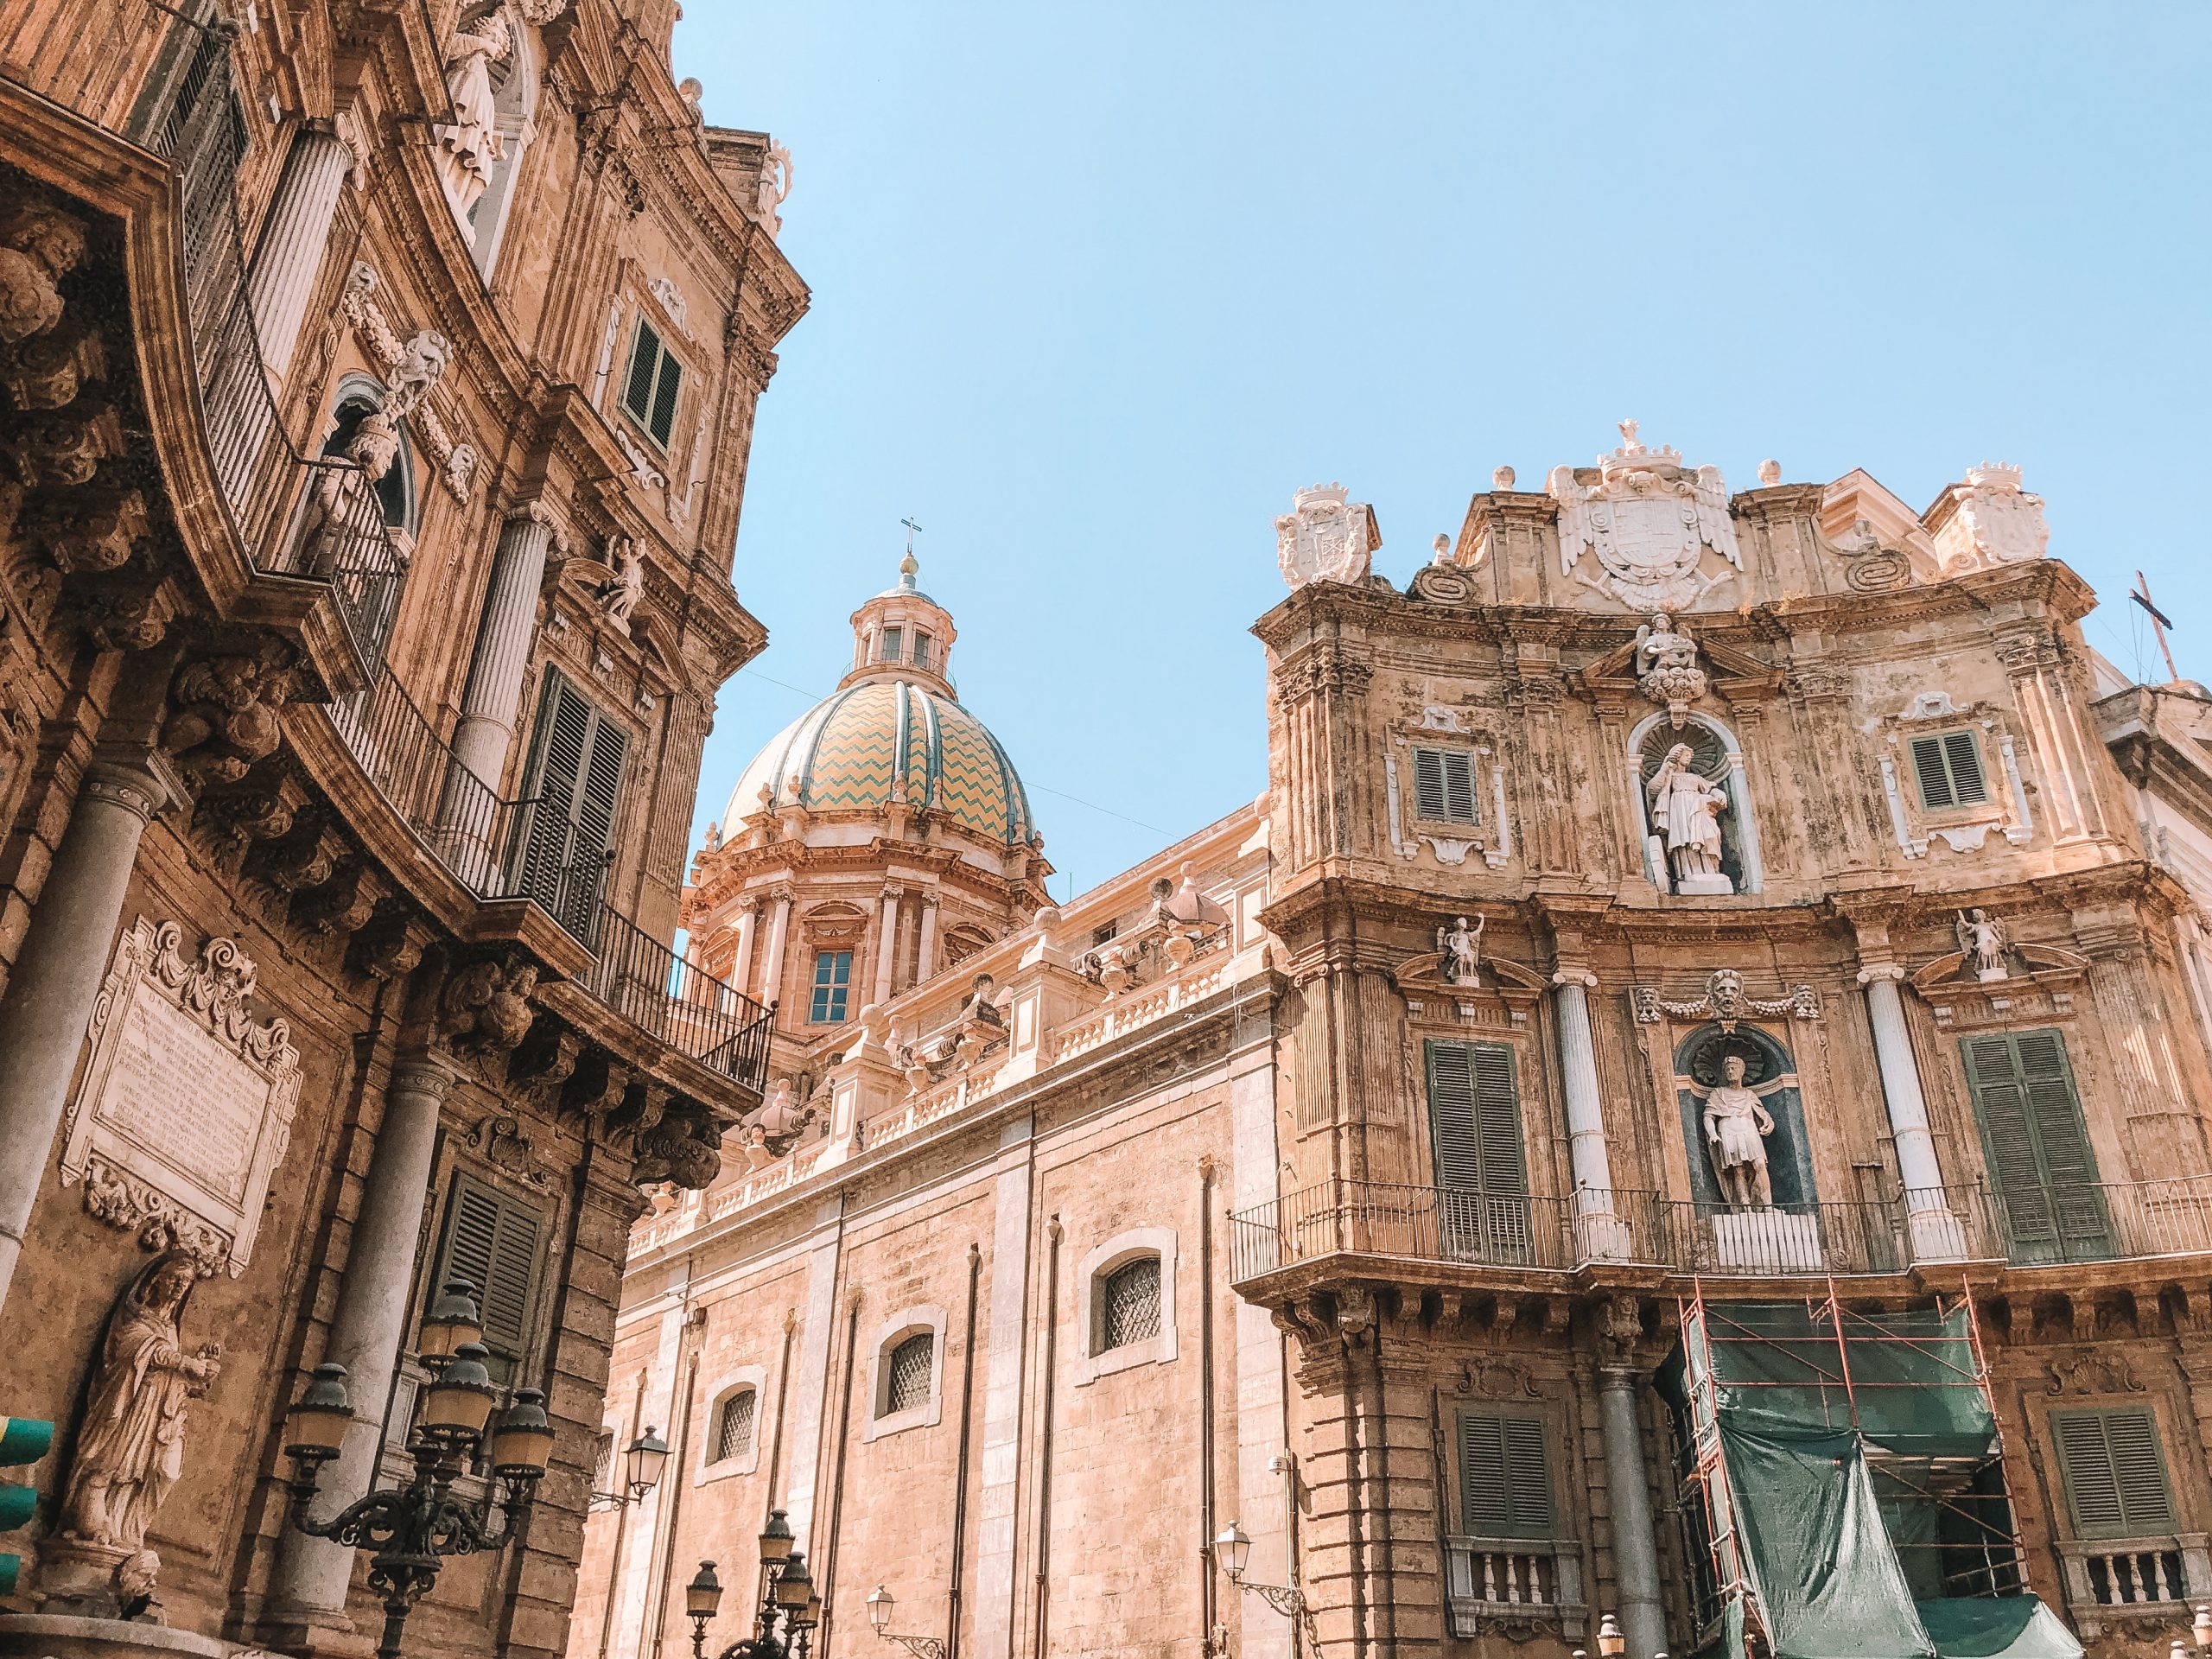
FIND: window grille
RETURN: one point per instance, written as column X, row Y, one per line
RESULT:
column 911, row 1362
column 887, row 647
column 1129, row 1303
column 734, row 1425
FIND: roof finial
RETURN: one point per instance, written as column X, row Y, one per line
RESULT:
column 910, row 565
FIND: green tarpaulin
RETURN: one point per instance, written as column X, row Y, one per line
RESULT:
column 1814, row 1527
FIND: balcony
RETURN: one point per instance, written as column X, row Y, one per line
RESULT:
column 2135, row 1585
column 1518, row 1588
column 1514, row 1233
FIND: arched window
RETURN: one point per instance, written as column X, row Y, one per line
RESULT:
column 1127, row 1304
column 358, row 399
column 907, row 1376
column 733, row 1432
column 731, row 1410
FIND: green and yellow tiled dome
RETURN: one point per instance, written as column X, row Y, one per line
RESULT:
column 847, row 752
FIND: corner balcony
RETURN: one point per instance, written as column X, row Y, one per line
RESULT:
column 2040, row 1237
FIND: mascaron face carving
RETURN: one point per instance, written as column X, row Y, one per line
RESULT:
column 1648, row 521
column 1324, row 537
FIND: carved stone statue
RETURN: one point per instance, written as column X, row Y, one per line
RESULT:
column 1737, row 1124
column 468, row 148
column 1462, row 949
column 1685, row 808
column 1666, row 667
column 130, row 1450
column 1983, row 940
column 39, row 246
column 775, row 187
column 619, row 594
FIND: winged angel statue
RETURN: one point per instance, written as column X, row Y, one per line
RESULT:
column 1649, row 519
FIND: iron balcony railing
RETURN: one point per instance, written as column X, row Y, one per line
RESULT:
column 1917, row 1228
column 162, row 80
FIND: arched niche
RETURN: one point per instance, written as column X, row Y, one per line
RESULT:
column 1771, row 1071
column 357, row 398
column 514, row 92
column 1718, row 756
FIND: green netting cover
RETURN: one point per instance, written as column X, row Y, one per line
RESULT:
column 2006, row 1627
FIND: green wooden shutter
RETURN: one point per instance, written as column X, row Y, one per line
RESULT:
column 2115, row 1473
column 493, row 1242
column 1428, row 784
column 1936, row 792
column 645, row 361
column 1458, row 786
column 1963, row 756
column 1505, row 1481
column 1482, row 1170
column 2038, row 1146
column 575, row 781
column 1444, row 785
column 662, row 423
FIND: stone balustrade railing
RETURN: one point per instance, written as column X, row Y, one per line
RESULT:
column 1514, row 1587
column 2136, row 1580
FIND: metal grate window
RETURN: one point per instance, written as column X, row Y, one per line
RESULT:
column 911, row 1362
column 734, row 1425
column 1129, row 1303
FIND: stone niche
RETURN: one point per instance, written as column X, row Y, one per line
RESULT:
column 187, row 1106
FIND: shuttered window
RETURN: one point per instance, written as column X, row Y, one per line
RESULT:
column 650, row 389
column 495, row 1241
column 570, row 799
column 2115, row 1473
column 1505, row 1478
column 1948, row 767
column 2037, row 1146
column 1481, row 1171
column 734, row 1425
column 1444, row 785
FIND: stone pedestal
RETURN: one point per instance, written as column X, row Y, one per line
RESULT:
column 57, row 1636
column 1710, row 886
column 1767, row 1240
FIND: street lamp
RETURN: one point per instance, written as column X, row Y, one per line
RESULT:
column 787, row 1595
column 1234, row 1550
column 1610, row 1643
column 879, row 1604
column 642, row 1461
column 2201, row 1627
column 415, row 1526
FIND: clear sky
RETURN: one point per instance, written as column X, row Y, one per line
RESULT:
column 1096, row 288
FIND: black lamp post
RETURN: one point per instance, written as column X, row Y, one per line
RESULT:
column 414, row 1528
column 787, row 1597
column 880, row 1605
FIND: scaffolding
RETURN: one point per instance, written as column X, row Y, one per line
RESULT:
column 1851, row 1479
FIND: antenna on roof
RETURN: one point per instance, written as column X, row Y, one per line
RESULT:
column 2159, row 623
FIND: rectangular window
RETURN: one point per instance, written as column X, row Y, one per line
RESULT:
column 2115, row 1473
column 734, row 1426
column 1482, row 1172
column 649, row 391
column 494, row 1242
column 1444, row 785
column 570, row 792
column 2037, row 1146
column 1948, row 767
column 833, row 981
column 1505, row 1478
column 889, row 646
column 921, row 649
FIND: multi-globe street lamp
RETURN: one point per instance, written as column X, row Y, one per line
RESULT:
column 787, row 1598
column 414, row 1528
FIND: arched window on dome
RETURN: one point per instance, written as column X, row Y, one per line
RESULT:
column 1688, row 790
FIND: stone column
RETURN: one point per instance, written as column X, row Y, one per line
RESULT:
column 1635, row 1554
column 486, row 729
column 281, row 276
column 57, row 972
column 780, row 925
column 368, row 1325
column 925, row 955
column 1599, row 1233
column 1934, row 1230
column 887, row 945
column 748, row 922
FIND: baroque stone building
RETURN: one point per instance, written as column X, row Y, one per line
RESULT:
column 1686, row 935
column 376, row 383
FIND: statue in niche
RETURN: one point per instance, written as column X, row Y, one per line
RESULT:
column 1983, row 941
column 130, row 1451
column 1737, row 1123
column 1685, row 813
column 1462, row 949
column 468, row 146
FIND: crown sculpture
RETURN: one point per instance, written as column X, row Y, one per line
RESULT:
column 1324, row 537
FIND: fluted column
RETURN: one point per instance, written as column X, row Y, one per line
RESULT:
column 293, row 236
column 486, row 729
column 368, row 1325
column 1598, row 1232
column 1934, row 1230
column 1636, row 1555
column 772, row 971
column 57, row 972
column 748, row 922
column 887, row 945
column 925, row 951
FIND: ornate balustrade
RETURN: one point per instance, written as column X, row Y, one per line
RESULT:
column 1519, row 1588
column 2140, row 1585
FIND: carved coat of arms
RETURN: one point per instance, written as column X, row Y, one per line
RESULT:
column 1325, row 537
column 1649, row 521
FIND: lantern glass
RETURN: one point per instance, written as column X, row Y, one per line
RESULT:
column 2201, row 1626
column 452, row 1322
column 1610, row 1643
column 703, row 1597
column 316, row 1427
column 879, row 1604
column 522, row 1439
column 1234, row 1550
column 775, row 1538
column 646, row 1455
column 460, row 1403
column 793, row 1586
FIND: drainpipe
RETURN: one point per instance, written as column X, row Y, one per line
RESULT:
column 960, row 1472
column 1045, row 1440
column 1209, row 1611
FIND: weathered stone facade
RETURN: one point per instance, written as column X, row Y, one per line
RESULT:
column 378, row 383
column 1425, row 1110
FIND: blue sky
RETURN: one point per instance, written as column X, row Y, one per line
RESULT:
column 1096, row 288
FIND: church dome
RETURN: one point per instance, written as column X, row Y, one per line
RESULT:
column 887, row 740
